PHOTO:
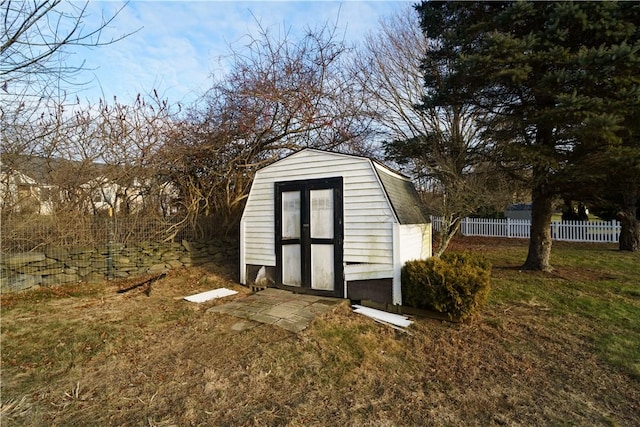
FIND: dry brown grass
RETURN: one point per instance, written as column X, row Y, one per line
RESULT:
column 89, row 356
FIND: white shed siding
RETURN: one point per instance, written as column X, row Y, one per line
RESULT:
column 259, row 240
column 367, row 271
column 415, row 242
column 368, row 216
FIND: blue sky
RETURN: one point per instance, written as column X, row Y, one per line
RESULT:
column 182, row 44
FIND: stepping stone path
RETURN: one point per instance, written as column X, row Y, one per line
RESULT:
column 285, row 309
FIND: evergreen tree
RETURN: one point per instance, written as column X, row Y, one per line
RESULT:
column 558, row 82
column 618, row 195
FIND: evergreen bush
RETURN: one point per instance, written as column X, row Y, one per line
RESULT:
column 456, row 284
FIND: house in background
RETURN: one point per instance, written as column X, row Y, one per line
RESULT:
column 332, row 224
column 518, row 211
column 33, row 184
column 26, row 184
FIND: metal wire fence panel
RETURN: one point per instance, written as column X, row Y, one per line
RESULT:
column 43, row 250
column 33, row 233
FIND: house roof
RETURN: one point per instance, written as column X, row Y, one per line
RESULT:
column 52, row 170
column 400, row 191
column 42, row 170
column 403, row 197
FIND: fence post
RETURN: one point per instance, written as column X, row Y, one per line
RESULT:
column 508, row 227
column 110, row 273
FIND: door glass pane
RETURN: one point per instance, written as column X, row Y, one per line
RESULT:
column 322, row 274
column 291, row 265
column 291, row 215
column 322, row 214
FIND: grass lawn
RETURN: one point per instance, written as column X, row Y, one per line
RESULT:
column 559, row 348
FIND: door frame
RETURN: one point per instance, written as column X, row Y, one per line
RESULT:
column 305, row 187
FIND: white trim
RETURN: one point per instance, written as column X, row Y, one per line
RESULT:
column 344, row 277
column 243, row 265
column 396, row 220
column 396, row 294
column 383, row 316
column 384, row 169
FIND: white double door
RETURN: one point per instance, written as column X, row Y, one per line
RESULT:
column 309, row 230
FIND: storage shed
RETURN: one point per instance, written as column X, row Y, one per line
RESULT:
column 332, row 224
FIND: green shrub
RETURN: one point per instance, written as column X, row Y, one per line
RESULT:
column 456, row 284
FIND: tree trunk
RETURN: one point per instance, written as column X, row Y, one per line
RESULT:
column 540, row 240
column 629, row 230
column 447, row 234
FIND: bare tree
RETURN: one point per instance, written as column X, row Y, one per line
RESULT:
column 36, row 40
column 121, row 139
column 74, row 159
column 37, row 37
column 442, row 148
column 131, row 136
column 387, row 68
column 78, row 163
column 281, row 94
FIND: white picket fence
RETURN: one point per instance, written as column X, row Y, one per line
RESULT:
column 568, row 231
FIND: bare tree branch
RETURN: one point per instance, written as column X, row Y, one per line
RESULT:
column 281, row 95
column 442, row 148
column 36, row 39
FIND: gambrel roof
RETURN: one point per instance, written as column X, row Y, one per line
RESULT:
column 402, row 195
column 399, row 189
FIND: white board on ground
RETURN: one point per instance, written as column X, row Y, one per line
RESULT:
column 209, row 295
column 394, row 319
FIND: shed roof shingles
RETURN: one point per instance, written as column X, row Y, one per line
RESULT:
column 404, row 199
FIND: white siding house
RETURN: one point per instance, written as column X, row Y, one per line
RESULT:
column 22, row 193
column 332, row 224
